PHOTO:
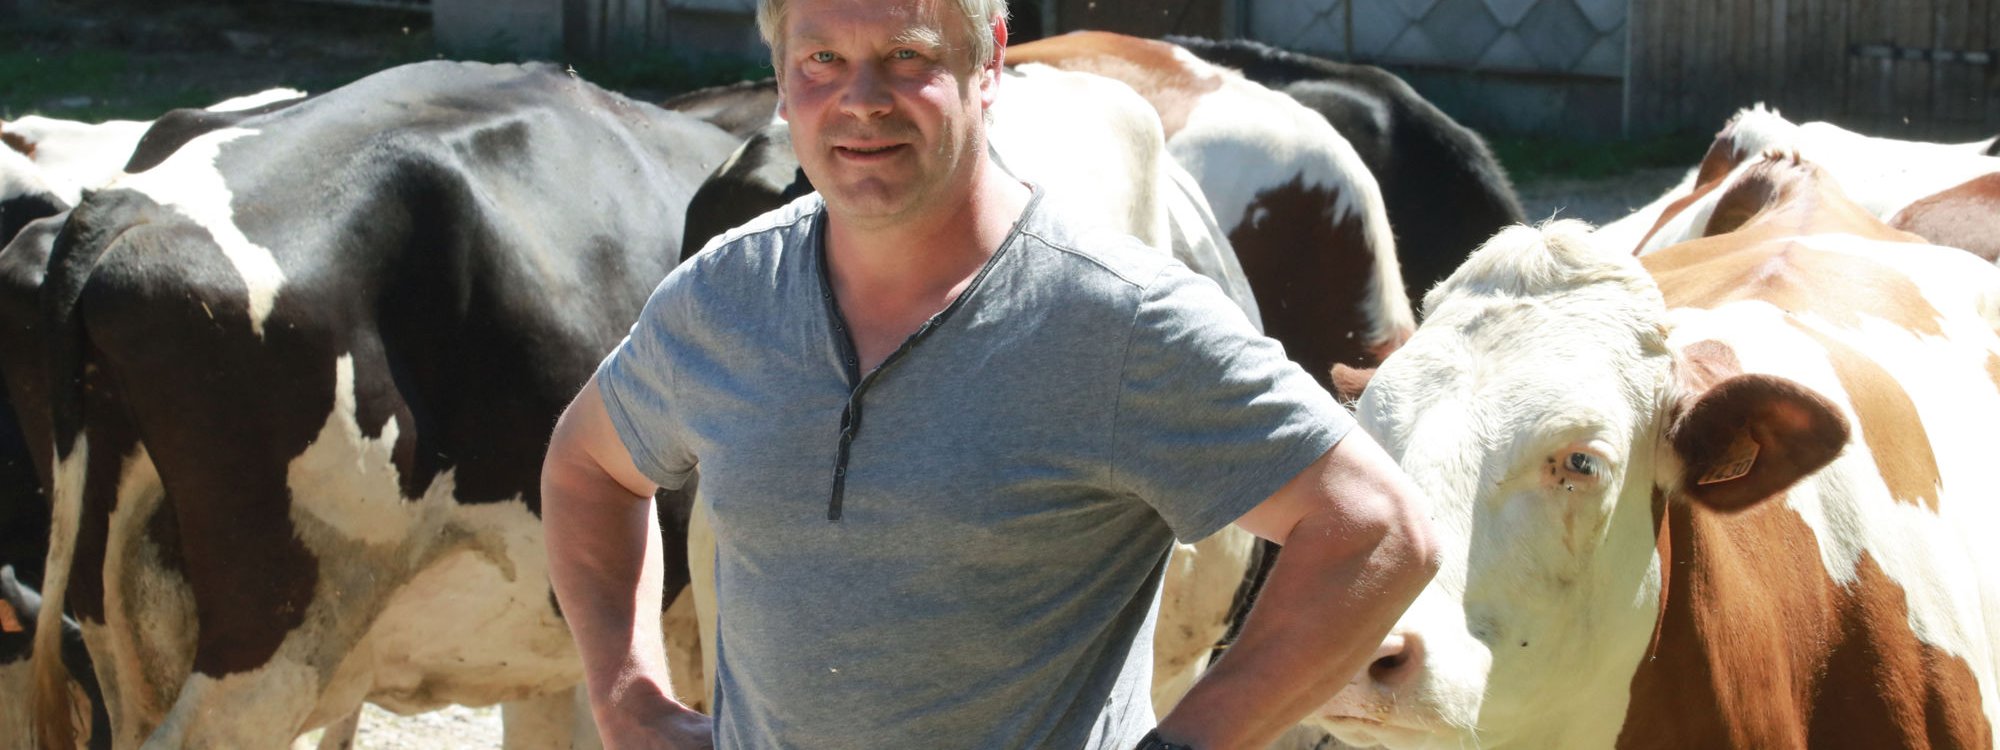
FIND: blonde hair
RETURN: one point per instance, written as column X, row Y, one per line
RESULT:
column 977, row 15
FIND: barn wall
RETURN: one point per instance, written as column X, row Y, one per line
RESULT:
column 1903, row 68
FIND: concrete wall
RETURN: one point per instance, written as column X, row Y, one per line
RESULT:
column 1546, row 66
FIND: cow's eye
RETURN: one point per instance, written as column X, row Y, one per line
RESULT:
column 1581, row 463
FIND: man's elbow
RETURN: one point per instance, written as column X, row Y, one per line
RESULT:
column 1391, row 536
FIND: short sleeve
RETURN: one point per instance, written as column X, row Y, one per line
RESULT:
column 1212, row 418
column 637, row 382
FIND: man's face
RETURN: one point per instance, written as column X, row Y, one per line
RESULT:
column 885, row 108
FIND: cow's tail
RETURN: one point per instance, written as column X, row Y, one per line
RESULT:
column 76, row 253
column 55, row 705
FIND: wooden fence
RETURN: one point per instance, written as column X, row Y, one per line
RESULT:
column 1903, row 68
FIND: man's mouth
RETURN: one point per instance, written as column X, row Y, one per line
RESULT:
column 864, row 151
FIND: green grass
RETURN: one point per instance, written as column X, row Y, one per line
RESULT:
column 30, row 77
column 1536, row 158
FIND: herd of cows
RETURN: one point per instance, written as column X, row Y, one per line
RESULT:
column 280, row 373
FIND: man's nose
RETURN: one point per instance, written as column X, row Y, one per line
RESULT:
column 867, row 95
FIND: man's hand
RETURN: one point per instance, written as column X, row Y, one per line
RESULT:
column 678, row 728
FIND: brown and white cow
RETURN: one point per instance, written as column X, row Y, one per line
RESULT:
column 1301, row 209
column 1885, row 176
column 1741, row 495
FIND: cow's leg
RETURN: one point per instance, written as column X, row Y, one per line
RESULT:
column 556, row 721
column 292, row 529
column 340, row 734
column 682, row 635
column 148, row 636
column 1196, row 602
column 701, row 580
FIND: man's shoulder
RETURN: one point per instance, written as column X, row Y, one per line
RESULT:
column 1085, row 250
column 767, row 235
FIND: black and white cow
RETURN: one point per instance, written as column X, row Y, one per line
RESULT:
column 291, row 378
column 741, row 108
column 1445, row 192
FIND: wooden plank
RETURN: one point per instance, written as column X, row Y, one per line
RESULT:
column 1672, row 48
column 1741, row 35
column 1780, row 53
column 1947, row 78
column 1660, row 91
column 1991, row 73
column 1978, row 36
column 1839, row 35
column 1914, row 31
column 1863, row 94
column 1699, row 62
column 1804, row 88
column 1639, row 61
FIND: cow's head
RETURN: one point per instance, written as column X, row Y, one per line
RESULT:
column 1544, row 412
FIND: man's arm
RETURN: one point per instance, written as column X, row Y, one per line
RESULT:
column 1357, row 551
column 603, row 538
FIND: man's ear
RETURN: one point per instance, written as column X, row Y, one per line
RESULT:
column 989, row 76
column 1750, row 437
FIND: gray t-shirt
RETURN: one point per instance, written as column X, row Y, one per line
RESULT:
column 964, row 548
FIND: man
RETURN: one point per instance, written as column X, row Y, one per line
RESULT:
column 947, row 440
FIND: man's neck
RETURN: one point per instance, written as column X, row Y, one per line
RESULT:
column 888, row 279
column 923, row 257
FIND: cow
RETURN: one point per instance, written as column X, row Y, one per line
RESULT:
column 1736, row 493
column 1096, row 147
column 25, row 194
column 1882, row 175
column 45, row 165
column 1965, row 216
column 1444, row 191
column 742, row 108
column 290, row 378
column 74, row 156
column 1301, row 210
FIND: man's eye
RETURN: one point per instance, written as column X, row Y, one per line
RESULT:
column 904, row 54
column 822, row 56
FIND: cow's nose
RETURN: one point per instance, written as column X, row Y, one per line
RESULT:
column 1398, row 660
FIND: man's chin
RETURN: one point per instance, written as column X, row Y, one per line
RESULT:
column 1361, row 732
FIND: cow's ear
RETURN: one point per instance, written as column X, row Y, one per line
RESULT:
column 1349, row 382
column 1750, row 437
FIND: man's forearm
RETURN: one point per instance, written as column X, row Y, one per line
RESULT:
column 1323, row 610
column 604, row 560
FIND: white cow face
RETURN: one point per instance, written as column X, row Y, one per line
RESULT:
column 1527, row 406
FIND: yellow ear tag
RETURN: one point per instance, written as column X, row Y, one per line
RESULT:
column 1736, row 463
column 9, row 622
